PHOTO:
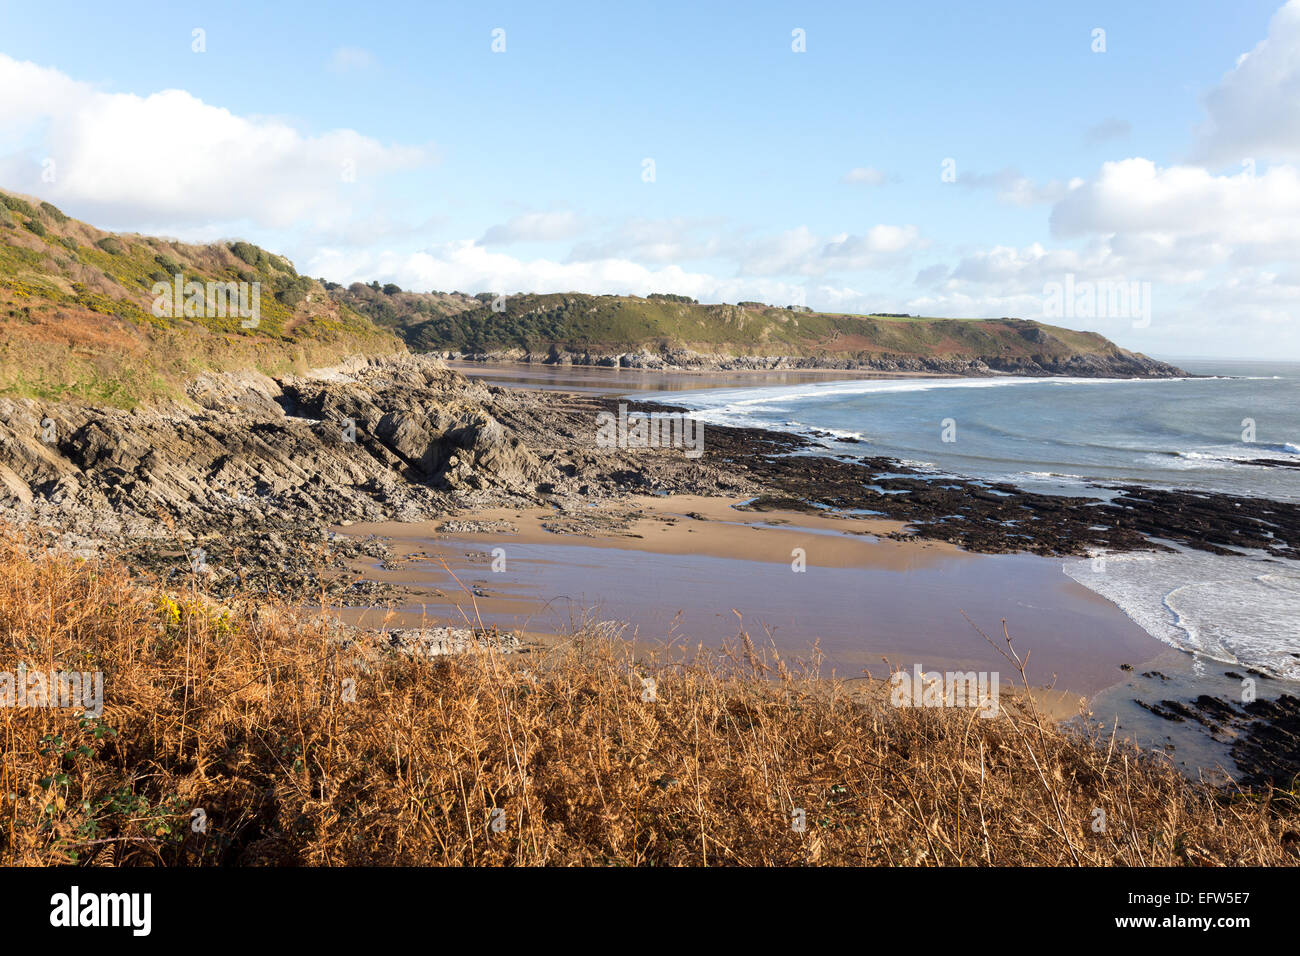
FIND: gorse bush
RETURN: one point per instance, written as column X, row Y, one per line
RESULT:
column 170, row 267
column 54, row 212
column 18, row 205
column 246, row 251
column 259, row 735
column 290, row 291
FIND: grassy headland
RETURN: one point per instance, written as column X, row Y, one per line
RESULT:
column 608, row 325
column 76, row 317
column 76, row 322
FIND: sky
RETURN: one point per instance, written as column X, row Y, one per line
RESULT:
column 951, row 159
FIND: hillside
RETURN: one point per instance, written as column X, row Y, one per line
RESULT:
column 673, row 330
column 392, row 308
column 78, row 318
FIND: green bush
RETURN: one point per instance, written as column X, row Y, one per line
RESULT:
column 36, row 226
column 54, row 212
column 112, row 245
column 17, row 205
column 247, row 251
column 294, row 292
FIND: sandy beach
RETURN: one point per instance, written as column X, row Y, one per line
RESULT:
column 600, row 380
column 689, row 569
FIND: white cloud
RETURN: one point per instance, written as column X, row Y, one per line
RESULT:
column 666, row 240
column 800, row 251
column 1187, row 205
column 1255, row 109
column 122, row 159
column 469, row 267
column 865, row 175
column 535, row 227
column 1015, row 189
column 348, row 58
column 1206, row 294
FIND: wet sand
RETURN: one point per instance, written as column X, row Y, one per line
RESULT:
column 678, row 569
column 599, row 380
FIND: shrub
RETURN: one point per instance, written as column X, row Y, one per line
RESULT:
column 54, row 212
column 295, row 291
column 112, row 245
column 247, row 251
column 36, row 226
column 17, row 205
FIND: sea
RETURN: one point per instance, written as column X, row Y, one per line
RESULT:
column 1070, row 436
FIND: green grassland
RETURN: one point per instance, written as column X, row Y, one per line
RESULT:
column 608, row 323
column 77, row 318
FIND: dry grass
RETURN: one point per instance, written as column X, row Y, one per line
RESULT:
column 243, row 714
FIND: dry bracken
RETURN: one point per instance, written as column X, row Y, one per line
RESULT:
column 258, row 734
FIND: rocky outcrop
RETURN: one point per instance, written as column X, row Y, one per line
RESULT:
column 388, row 438
column 1120, row 364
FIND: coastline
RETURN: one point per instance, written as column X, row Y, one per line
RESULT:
column 612, row 381
column 699, row 569
column 284, row 514
column 1115, row 363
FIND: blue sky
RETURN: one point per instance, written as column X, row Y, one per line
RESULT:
column 389, row 141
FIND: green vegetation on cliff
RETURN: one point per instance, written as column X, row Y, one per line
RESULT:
column 77, row 321
column 609, row 324
column 77, row 318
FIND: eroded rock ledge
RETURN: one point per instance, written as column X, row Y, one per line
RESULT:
column 1123, row 364
column 248, row 475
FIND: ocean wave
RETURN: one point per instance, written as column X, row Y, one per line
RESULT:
column 1054, row 475
column 737, row 399
column 728, row 416
column 840, row 433
column 1237, row 454
column 1237, row 610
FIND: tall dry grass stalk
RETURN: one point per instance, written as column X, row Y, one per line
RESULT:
column 562, row 757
